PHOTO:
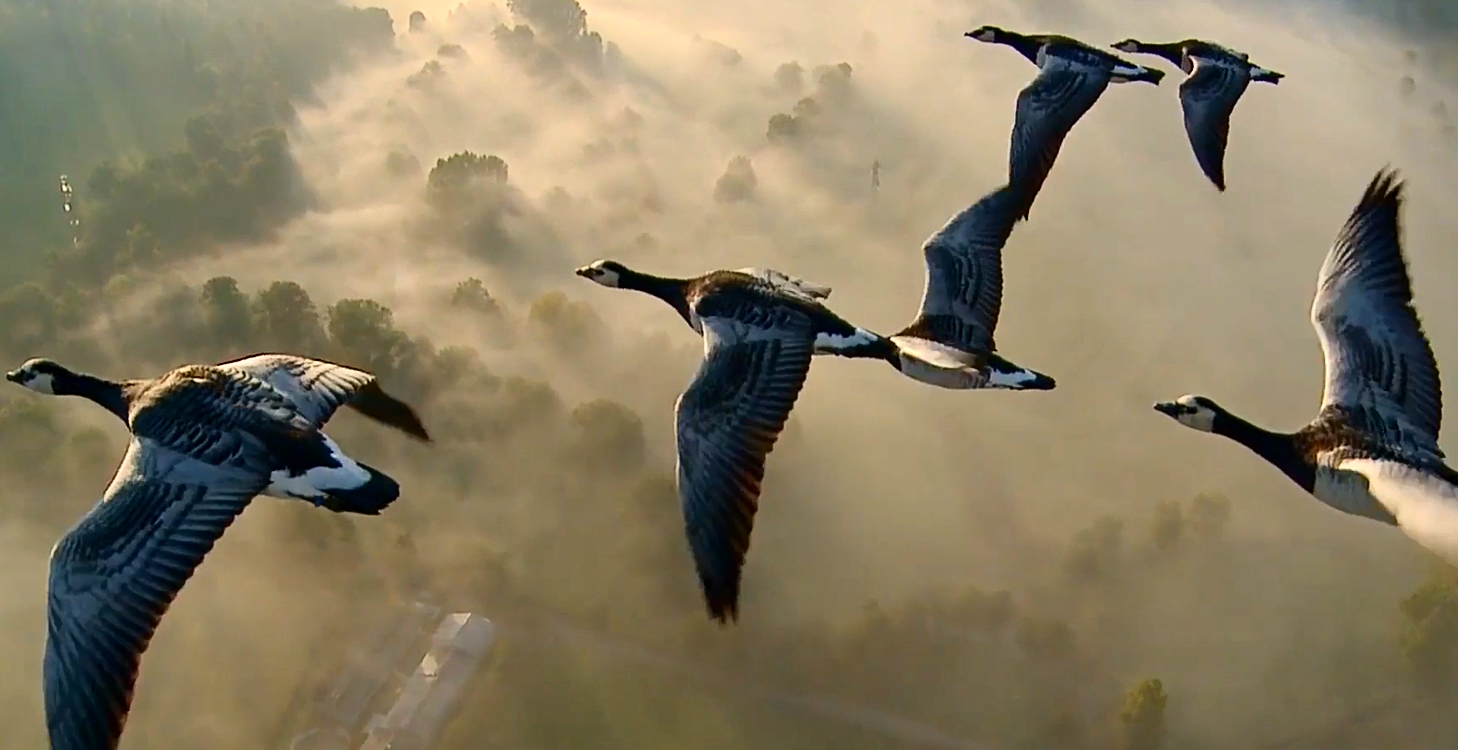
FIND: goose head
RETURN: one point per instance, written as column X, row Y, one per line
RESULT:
column 1194, row 412
column 606, row 272
column 986, row 34
column 1128, row 45
column 42, row 376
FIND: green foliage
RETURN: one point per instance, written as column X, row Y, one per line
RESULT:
column 86, row 81
column 611, row 436
column 471, row 295
column 1141, row 724
column 456, row 182
column 1430, row 629
column 364, row 334
column 570, row 327
column 834, row 93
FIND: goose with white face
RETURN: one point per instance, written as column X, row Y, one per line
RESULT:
column 39, row 375
column 1194, row 412
column 606, row 272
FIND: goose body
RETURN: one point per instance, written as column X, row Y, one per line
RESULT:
column 1072, row 76
column 761, row 329
column 1372, row 450
column 206, row 439
column 1217, row 77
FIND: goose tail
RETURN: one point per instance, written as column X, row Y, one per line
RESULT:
column 1261, row 75
column 1004, row 374
column 367, row 499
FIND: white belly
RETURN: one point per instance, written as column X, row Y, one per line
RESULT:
column 1347, row 492
column 1425, row 506
column 319, row 482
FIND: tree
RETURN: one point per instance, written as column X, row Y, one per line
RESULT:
column 790, row 78
column 452, row 51
column 1209, row 515
column 833, row 83
column 417, row 21
column 454, row 182
column 738, row 183
column 610, row 435
column 1094, row 552
column 1141, row 724
column 783, row 127
column 1430, row 629
column 471, row 294
column 559, row 19
column 569, row 326
column 286, row 318
column 1168, row 525
column 1045, row 639
column 227, row 312
column 364, row 331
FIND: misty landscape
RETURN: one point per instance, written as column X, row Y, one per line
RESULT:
column 407, row 190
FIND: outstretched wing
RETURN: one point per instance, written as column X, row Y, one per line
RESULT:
column 727, row 422
column 1379, row 364
column 319, row 388
column 963, row 294
column 1047, row 110
column 782, row 280
column 1208, row 98
column 113, row 577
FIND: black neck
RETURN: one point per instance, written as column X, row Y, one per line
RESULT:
column 109, row 394
column 672, row 291
column 1026, row 45
column 1278, row 448
column 1173, row 51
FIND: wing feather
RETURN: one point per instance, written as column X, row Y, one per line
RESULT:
column 318, row 388
column 1047, row 110
column 1208, row 97
column 728, row 420
column 115, row 574
column 963, row 295
column 1380, row 365
column 782, row 280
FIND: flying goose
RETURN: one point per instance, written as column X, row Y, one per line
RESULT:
column 1217, row 77
column 1372, row 450
column 760, row 330
column 205, row 441
column 1073, row 76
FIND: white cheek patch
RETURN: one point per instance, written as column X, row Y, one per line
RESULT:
column 42, row 383
column 1203, row 420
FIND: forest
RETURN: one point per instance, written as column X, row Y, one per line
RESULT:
column 176, row 122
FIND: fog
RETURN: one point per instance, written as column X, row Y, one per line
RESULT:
column 1134, row 281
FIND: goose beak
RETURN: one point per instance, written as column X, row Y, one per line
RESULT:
column 13, row 376
column 584, row 272
column 1169, row 408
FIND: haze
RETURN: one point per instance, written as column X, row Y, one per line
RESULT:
column 1134, row 281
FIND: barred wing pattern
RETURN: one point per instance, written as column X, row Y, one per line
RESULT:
column 728, row 420
column 1208, row 97
column 782, row 280
column 963, row 295
column 319, row 388
column 114, row 576
column 1380, row 366
column 1047, row 110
